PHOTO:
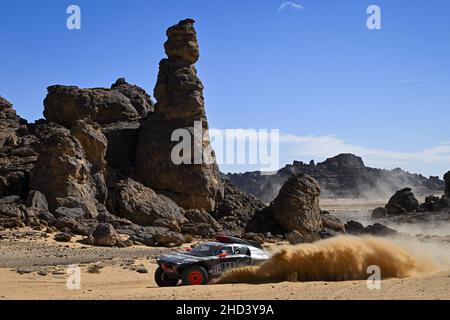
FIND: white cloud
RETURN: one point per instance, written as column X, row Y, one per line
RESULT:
column 290, row 5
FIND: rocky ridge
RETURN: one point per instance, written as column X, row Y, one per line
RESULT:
column 343, row 176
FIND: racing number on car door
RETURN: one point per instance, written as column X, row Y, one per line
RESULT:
column 229, row 260
column 242, row 255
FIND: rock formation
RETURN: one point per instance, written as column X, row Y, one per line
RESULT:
column 403, row 201
column 343, row 176
column 76, row 172
column 145, row 207
column 297, row 205
column 67, row 104
column 403, row 207
column 17, row 155
column 378, row 213
column 240, row 212
column 63, row 174
column 180, row 103
column 101, row 165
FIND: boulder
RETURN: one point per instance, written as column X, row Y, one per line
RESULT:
column 354, row 228
column 67, row 104
column 295, row 237
column 433, row 203
column 182, row 42
column 80, row 227
column 12, row 215
column 198, row 229
column 239, row 212
column 10, row 200
column 379, row 213
column 63, row 174
column 332, row 222
column 9, row 121
column 195, row 182
column 297, row 205
column 196, row 216
column 93, row 141
column 17, row 156
column 37, row 200
column 73, row 213
column 143, row 206
column 380, row 230
column 62, row 237
column 157, row 236
column 104, row 235
column 140, row 100
column 403, row 201
column 47, row 217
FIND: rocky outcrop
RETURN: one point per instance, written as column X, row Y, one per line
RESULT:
column 36, row 200
column 9, row 122
column 140, row 100
column 17, row 156
column 63, row 174
column 93, row 141
column 403, row 201
column 297, row 205
column 240, row 212
column 377, row 229
column 201, row 223
column 76, row 172
column 343, row 176
column 332, row 222
column 195, row 183
column 379, row 213
column 67, row 104
column 403, row 207
column 145, row 207
column 104, row 235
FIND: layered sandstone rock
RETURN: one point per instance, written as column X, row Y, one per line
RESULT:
column 67, row 104
column 145, row 207
column 63, row 174
column 17, row 155
column 180, row 103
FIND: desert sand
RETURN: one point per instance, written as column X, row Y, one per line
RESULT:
column 113, row 282
column 33, row 266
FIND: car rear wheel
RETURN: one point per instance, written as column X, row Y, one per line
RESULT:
column 195, row 275
column 162, row 279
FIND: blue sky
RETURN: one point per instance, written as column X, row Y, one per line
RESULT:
column 316, row 72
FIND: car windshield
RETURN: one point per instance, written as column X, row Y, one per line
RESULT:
column 205, row 250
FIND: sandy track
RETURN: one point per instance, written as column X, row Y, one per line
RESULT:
column 114, row 282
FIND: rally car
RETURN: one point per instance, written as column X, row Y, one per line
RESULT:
column 206, row 261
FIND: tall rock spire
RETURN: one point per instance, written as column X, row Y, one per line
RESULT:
column 180, row 104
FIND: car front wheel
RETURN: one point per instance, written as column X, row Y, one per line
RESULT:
column 162, row 279
column 195, row 275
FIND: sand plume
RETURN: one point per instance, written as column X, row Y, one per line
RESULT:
column 338, row 259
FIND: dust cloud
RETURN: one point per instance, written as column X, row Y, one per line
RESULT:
column 337, row 259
